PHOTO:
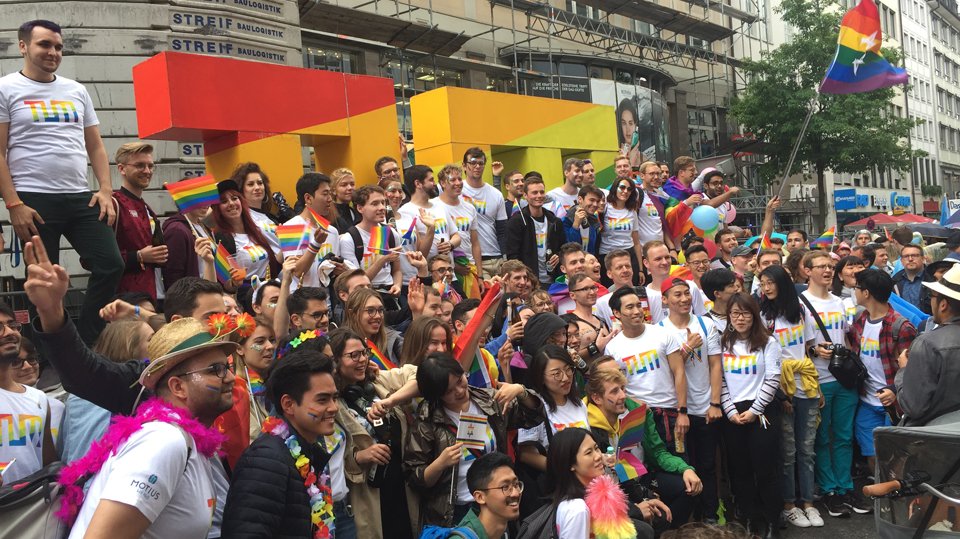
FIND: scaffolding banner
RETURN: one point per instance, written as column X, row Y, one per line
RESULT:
column 569, row 88
column 641, row 119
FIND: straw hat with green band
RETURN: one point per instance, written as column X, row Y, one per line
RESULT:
column 175, row 343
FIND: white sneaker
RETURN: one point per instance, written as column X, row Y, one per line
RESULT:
column 797, row 517
column 813, row 516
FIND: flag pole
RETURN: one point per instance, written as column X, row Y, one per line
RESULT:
column 796, row 146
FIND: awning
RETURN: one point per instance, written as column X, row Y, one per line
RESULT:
column 397, row 32
column 884, row 219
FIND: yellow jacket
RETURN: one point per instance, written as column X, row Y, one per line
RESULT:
column 809, row 379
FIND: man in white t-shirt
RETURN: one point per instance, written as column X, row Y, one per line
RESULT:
column 158, row 482
column 319, row 265
column 657, row 260
column 652, row 359
column 650, row 208
column 462, row 216
column 620, row 271
column 48, row 130
column 560, row 199
column 434, row 232
column 26, row 441
column 491, row 211
column 700, row 345
column 382, row 264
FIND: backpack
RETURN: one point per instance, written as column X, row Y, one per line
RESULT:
column 541, row 524
column 437, row 532
column 28, row 507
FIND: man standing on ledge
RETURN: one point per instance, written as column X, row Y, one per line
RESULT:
column 48, row 130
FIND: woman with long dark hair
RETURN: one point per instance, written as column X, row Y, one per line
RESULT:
column 620, row 223
column 373, row 465
column 424, row 336
column 435, row 463
column 844, row 281
column 751, row 376
column 795, row 330
column 629, row 134
column 255, row 187
column 364, row 314
column 254, row 249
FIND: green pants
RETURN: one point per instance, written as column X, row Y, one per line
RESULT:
column 68, row 214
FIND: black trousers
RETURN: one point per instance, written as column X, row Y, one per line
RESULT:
column 753, row 456
column 702, row 440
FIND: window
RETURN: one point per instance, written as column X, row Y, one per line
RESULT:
column 329, row 59
column 584, row 11
column 571, row 69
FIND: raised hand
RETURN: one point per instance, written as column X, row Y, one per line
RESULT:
column 46, row 283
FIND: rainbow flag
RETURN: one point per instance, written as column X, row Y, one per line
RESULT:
column 407, row 238
column 221, row 262
column 484, row 371
column 378, row 240
column 471, row 281
column 632, row 428
column 681, row 272
column 490, row 300
column 629, row 467
column 447, row 291
column 859, row 65
column 194, row 194
column 379, row 357
column 559, row 290
column 293, row 237
column 256, row 384
column 826, row 238
column 318, row 220
column 676, row 214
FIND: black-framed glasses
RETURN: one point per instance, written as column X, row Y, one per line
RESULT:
column 444, row 270
column 559, row 374
column 13, row 325
column 318, row 315
column 31, row 360
column 698, row 262
column 373, row 311
column 823, row 267
column 593, row 288
column 518, row 486
column 734, row 315
column 474, row 162
column 219, row 370
column 357, row 355
column 390, row 171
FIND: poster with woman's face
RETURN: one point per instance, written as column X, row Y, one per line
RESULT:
column 645, row 124
column 628, row 135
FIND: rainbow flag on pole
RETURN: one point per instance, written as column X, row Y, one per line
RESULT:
column 318, row 220
column 826, row 238
column 378, row 240
column 193, row 194
column 221, row 262
column 379, row 357
column 293, row 237
column 858, row 65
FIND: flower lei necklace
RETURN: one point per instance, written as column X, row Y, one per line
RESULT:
column 73, row 476
column 321, row 498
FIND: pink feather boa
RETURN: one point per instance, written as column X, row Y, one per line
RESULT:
column 608, row 510
column 73, row 476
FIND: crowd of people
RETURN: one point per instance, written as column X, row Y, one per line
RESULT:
column 440, row 353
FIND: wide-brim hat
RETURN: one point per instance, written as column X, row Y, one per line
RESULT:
column 176, row 342
column 949, row 284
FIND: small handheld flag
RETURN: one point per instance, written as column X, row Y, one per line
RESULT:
column 632, row 428
column 194, row 194
column 221, row 262
column 490, row 299
column 293, row 237
column 858, row 65
column 378, row 240
column 318, row 220
column 379, row 357
column 407, row 237
column 826, row 238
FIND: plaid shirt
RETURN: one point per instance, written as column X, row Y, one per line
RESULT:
column 890, row 347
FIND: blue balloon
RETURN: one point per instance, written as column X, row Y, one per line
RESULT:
column 705, row 217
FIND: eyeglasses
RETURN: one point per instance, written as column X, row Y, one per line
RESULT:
column 390, row 171
column 740, row 314
column 357, row 355
column 909, row 256
column 373, row 311
column 518, row 486
column 31, row 360
column 394, row 190
column 593, row 288
column 476, row 162
column 560, row 374
column 318, row 315
column 13, row 325
column 447, row 269
column 823, row 267
column 219, row 370
column 698, row 262
column 141, row 166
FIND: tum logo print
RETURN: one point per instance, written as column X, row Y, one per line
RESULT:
column 57, row 111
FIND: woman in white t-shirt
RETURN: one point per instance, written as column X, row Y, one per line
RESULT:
column 844, row 281
column 795, row 330
column 620, row 223
column 751, row 377
column 551, row 374
column 254, row 247
column 574, row 461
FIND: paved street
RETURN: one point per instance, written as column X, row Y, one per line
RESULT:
column 855, row 527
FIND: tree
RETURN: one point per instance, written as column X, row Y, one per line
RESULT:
column 847, row 133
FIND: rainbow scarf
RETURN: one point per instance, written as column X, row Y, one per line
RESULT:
column 221, row 262
column 379, row 357
column 194, row 194
column 293, row 237
column 826, row 238
column 858, row 65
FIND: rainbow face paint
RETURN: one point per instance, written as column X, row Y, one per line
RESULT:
column 213, row 388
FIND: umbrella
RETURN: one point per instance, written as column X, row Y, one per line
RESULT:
column 913, row 218
column 931, row 230
column 878, row 219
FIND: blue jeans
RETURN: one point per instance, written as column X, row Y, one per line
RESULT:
column 835, row 438
column 346, row 527
column 799, row 435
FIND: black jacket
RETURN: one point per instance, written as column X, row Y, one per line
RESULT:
column 267, row 497
column 522, row 239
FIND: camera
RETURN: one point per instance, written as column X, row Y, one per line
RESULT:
column 838, row 355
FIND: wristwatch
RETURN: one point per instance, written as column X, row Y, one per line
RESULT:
column 593, row 350
column 682, row 410
column 716, row 405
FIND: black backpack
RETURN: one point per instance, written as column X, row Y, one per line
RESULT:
column 28, row 506
column 541, row 524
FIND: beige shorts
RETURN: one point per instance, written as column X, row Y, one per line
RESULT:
column 490, row 268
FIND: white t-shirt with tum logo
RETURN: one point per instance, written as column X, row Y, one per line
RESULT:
column 21, row 432
column 45, row 146
column 644, row 360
